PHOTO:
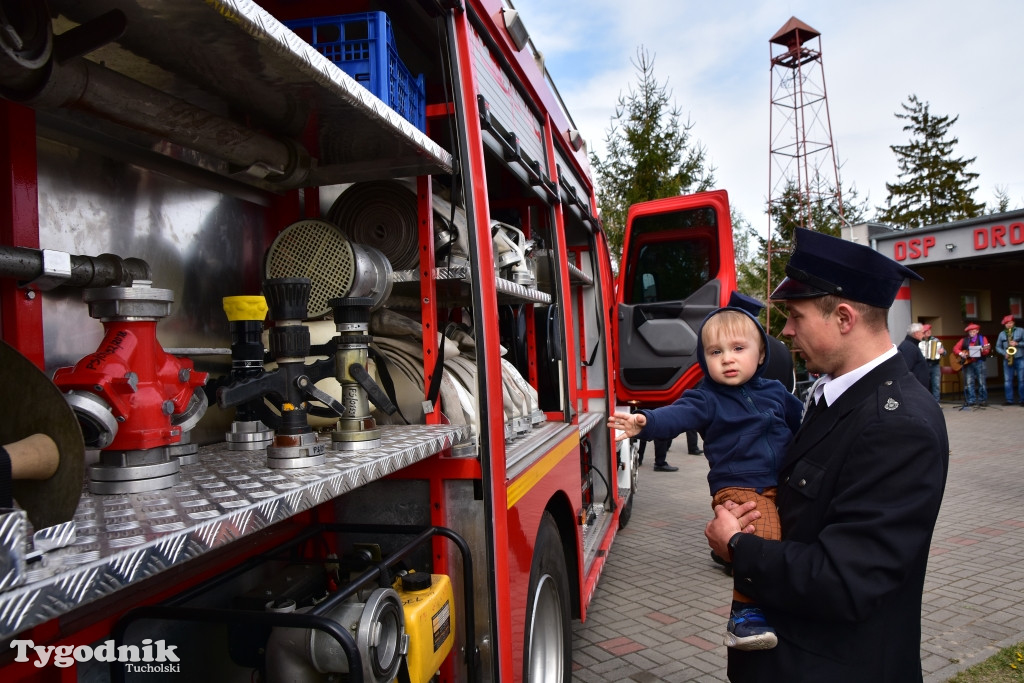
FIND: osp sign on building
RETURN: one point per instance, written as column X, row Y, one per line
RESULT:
column 959, row 262
column 954, row 241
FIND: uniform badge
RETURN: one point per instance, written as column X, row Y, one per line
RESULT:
column 891, row 404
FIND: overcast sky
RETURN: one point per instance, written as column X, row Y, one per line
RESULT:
column 964, row 58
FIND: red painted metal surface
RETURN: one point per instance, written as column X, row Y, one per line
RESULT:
column 534, row 82
column 492, row 424
column 21, row 310
column 428, row 290
column 132, row 375
column 557, row 490
column 583, row 391
column 571, row 359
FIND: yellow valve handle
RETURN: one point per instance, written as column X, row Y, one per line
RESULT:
column 245, row 307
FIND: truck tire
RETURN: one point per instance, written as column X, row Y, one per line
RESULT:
column 548, row 636
column 626, row 512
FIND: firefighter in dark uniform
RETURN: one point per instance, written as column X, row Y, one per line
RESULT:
column 859, row 489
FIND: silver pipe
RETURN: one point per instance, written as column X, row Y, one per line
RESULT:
column 89, row 87
column 36, row 74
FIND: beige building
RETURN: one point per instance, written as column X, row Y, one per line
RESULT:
column 973, row 271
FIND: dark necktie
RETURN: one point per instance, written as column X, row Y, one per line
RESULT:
column 813, row 408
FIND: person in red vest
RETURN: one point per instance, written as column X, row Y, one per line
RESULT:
column 973, row 348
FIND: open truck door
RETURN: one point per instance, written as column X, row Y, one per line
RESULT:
column 677, row 266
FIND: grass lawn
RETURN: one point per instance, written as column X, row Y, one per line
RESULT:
column 1005, row 666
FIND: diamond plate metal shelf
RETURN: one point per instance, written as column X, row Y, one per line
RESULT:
column 227, row 495
column 228, row 55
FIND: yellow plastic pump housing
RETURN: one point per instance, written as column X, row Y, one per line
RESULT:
column 429, row 621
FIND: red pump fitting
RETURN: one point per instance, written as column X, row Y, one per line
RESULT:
column 130, row 395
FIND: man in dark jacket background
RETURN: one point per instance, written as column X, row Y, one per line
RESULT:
column 910, row 348
column 859, row 488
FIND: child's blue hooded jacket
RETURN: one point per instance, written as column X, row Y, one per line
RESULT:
column 746, row 429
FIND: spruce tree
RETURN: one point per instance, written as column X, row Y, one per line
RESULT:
column 649, row 155
column 934, row 186
column 1002, row 204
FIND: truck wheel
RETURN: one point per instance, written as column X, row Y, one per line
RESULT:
column 548, row 637
column 626, row 512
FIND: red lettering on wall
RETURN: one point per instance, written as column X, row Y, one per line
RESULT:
column 998, row 235
column 980, row 239
column 913, row 249
column 987, row 237
column 1016, row 233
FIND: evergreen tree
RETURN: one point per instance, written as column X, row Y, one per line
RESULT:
column 649, row 155
column 1002, row 204
column 741, row 236
column 934, row 186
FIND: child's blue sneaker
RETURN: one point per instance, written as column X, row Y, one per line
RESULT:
column 748, row 630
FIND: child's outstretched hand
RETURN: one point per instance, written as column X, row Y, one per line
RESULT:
column 628, row 424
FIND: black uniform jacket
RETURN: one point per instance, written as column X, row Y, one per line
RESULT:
column 859, row 493
column 912, row 356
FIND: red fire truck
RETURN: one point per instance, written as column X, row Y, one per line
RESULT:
column 314, row 304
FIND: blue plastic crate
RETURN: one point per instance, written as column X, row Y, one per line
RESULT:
column 363, row 46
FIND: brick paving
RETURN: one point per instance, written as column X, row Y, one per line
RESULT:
column 661, row 606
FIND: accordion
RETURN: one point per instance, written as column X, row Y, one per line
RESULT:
column 931, row 348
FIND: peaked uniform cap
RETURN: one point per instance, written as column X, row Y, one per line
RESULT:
column 747, row 303
column 821, row 265
column 1007, row 320
column 973, row 326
